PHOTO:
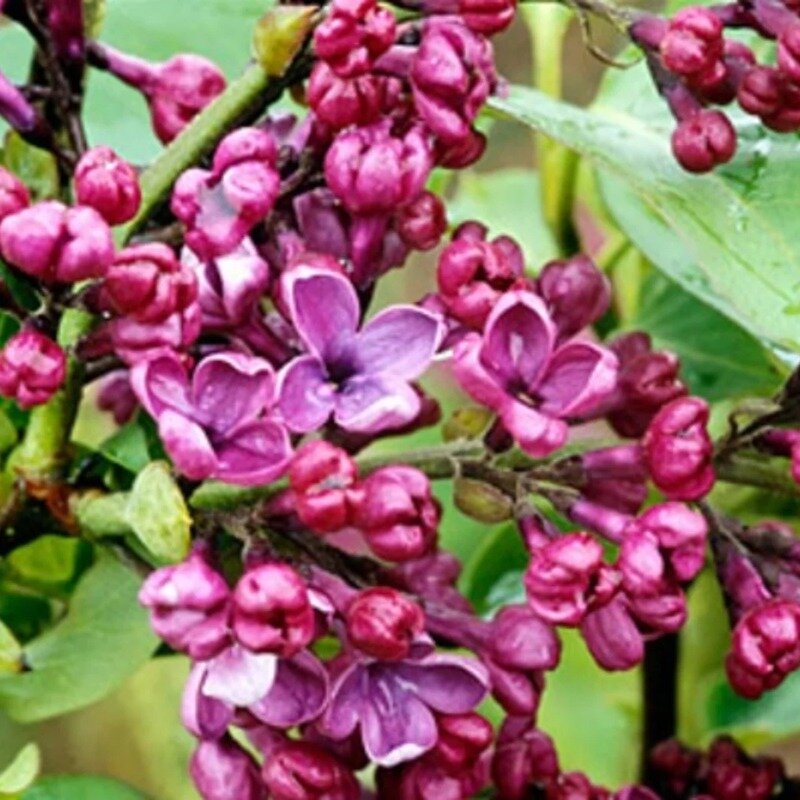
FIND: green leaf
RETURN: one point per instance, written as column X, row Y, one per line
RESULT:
column 719, row 360
column 49, row 563
column 21, row 772
column 36, row 168
column 20, row 287
column 734, row 240
column 128, row 447
column 157, row 513
column 81, row 787
column 9, row 325
column 104, row 638
column 25, row 615
column 10, row 651
column 507, row 201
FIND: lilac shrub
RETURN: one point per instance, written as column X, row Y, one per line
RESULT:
column 265, row 477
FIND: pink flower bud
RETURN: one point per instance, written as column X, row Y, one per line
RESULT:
column 188, row 606
column 222, row 770
column 341, row 102
column 107, row 184
column 135, row 341
column 353, row 35
column 422, row 223
column 13, row 194
column 32, row 368
column 304, row 771
column 116, row 396
column 182, row 88
column 765, row 648
column 463, row 738
column 320, row 476
column 487, row 16
column 524, row 758
column 761, row 91
column 271, row 610
column 576, row 292
column 678, row 450
column 473, row 273
column 57, row 244
column 397, row 513
column 789, row 52
column 703, row 141
column 681, row 535
column 567, row 576
column 612, row 636
column 383, row 623
column 522, row 641
column 373, row 172
column 732, row 775
column 147, row 283
column 451, row 75
column 693, row 42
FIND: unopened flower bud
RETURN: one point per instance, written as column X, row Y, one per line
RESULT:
column 383, row 623
column 107, row 184
column 789, row 52
column 481, row 501
column 304, row 771
column 341, row 102
column 521, row 640
column 576, row 292
column 732, row 774
column 57, row 244
column 280, row 34
column 422, row 223
column 765, row 648
column 222, row 770
column 612, row 636
column 32, row 368
column 320, row 476
column 678, row 450
column 523, row 759
column 397, row 513
column 271, row 611
column 462, row 740
column 693, row 42
column 13, row 194
column 703, row 141
column 187, row 605
column 148, row 283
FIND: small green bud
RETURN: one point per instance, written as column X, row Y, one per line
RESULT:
column 481, row 501
column 466, row 423
column 279, row 35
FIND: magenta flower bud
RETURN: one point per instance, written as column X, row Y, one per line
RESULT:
column 576, row 292
column 136, row 342
column 731, row 773
column 321, row 476
column 13, row 194
column 765, row 648
column 220, row 206
column 57, row 244
column 397, row 513
column 452, row 75
column 521, row 640
column 473, row 274
column 524, row 758
column 271, row 611
column 463, row 153
column 703, row 141
column 612, row 636
column 693, row 42
column 373, row 172
column 648, row 379
column 147, row 283
column 383, row 623
column 761, row 91
column 32, row 368
column 304, row 771
column 107, row 184
column 678, row 450
column 566, row 577
column 463, row 738
column 188, row 606
column 354, row 34
column 222, row 770
column 789, row 52
column 15, row 109
column 422, row 223
column 116, row 396
column 433, row 577
column 487, row 17
column 342, row 102
column 681, row 535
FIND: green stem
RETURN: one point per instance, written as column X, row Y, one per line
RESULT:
column 237, row 102
column 760, row 473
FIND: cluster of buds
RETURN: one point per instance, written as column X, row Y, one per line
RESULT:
column 695, row 67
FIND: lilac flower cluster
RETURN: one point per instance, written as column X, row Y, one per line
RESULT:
column 695, row 67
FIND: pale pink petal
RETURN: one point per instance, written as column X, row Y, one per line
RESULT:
column 537, row 434
column 306, row 395
column 448, row 684
column 371, row 403
column 240, row 677
column 187, row 445
column 162, row 384
column 255, row 453
column 473, row 376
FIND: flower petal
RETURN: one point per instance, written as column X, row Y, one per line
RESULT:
column 473, row 376
column 344, row 710
column 256, row 453
column 324, row 309
column 396, row 726
column 371, row 403
column 240, row 677
column 448, row 684
column 162, row 384
column 306, row 396
column 400, row 341
column 580, row 375
column 187, row 445
column 231, row 388
column 298, row 694
column 205, row 717
column 518, row 340
column 537, row 434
